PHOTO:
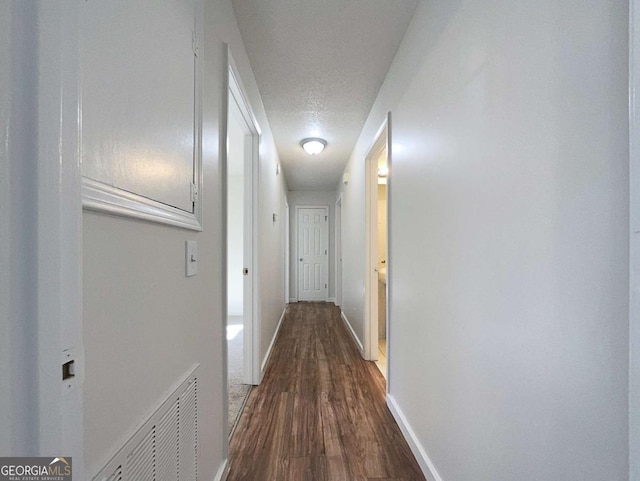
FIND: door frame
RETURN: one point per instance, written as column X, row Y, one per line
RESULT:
column 234, row 92
column 382, row 140
column 338, row 251
column 326, row 243
column 634, row 240
column 287, row 251
column 51, row 227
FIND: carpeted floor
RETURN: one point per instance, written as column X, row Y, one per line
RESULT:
column 238, row 391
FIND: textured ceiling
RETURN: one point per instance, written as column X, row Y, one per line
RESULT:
column 319, row 65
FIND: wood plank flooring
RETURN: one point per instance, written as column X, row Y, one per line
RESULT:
column 320, row 412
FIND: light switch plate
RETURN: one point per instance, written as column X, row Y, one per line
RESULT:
column 191, row 258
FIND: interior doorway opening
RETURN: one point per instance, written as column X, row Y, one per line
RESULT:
column 242, row 141
column 381, row 206
column 338, row 256
column 377, row 165
column 238, row 389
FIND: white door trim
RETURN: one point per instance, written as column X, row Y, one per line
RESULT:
column 287, row 251
column 251, row 292
column 326, row 243
column 338, row 250
column 389, row 256
column 234, row 91
column 55, row 237
column 634, row 241
column 380, row 142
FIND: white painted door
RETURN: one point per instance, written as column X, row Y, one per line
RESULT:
column 312, row 254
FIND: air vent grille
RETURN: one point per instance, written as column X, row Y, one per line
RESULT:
column 116, row 476
column 167, row 462
column 189, row 434
column 166, row 446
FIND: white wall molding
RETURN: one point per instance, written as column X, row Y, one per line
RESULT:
column 353, row 333
column 427, row 466
column 100, row 197
column 273, row 341
column 293, row 299
column 223, row 471
column 125, row 184
column 332, row 300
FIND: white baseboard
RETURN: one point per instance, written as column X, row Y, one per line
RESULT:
column 293, row 299
column 353, row 334
column 427, row 466
column 331, row 299
column 223, row 471
column 273, row 341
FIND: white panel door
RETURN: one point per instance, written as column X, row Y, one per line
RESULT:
column 312, row 254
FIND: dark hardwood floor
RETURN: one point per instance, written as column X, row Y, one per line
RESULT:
column 320, row 412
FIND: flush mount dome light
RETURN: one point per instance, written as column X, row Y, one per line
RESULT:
column 314, row 145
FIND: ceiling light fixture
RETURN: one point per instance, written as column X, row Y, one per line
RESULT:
column 313, row 145
column 383, row 171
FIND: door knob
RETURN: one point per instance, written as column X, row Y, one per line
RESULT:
column 301, row 259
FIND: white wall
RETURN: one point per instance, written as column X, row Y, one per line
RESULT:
column 509, row 244
column 382, row 224
column 235, row 238
column 311, row 198
column 145, row 322
column 235, row 218
column 271, row 236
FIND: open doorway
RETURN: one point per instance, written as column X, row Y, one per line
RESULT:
column 241, row 327
column 286, row 251
column 377, row 259
column 338, row 248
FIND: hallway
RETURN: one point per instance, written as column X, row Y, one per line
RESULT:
column 512, row 266
column 320, row 412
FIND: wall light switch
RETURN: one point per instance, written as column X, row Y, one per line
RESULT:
column 191, row 258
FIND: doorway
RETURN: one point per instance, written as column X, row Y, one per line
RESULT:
column 287, row 297
column 240, row 179
column 377, row 164
column 338, row 243
column 312, row 252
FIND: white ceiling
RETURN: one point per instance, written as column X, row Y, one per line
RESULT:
column 319, row 65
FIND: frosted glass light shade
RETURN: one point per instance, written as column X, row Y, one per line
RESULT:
column 313, row 146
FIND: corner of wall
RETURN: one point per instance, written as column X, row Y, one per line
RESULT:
column 353, row 334
column 223, row 471
column 265, row 360
column 427, row 466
